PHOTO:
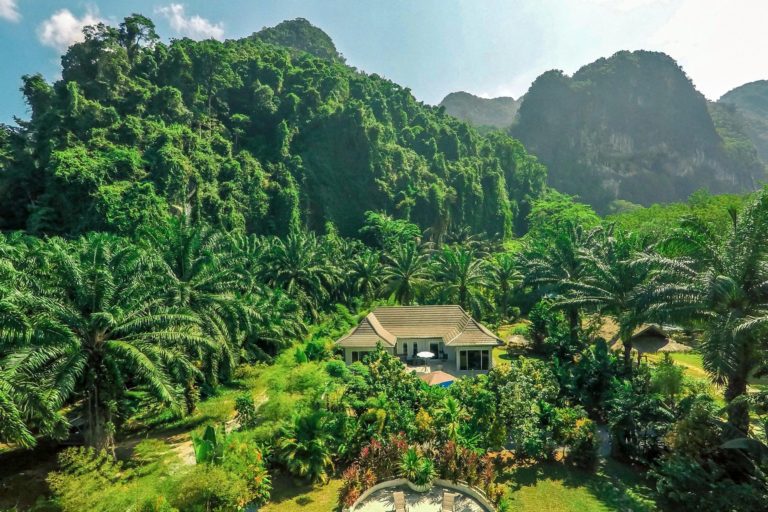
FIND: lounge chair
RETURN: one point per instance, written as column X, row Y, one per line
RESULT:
column 449, row 499
column 399, row 497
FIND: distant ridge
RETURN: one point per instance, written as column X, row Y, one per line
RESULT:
column 481, row 112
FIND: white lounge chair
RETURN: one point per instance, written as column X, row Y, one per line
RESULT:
column 449, row 500
column 399, row 498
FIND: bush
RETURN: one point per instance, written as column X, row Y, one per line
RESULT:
column 246, row 411
column 211, row 488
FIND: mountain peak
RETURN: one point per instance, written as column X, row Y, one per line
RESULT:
column 300, row 34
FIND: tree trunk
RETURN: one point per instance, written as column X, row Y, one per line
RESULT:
column 100, row 433
column 738, row 412
column 573, row 323
column 626, row 341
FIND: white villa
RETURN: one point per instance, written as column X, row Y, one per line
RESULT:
column 448, row 332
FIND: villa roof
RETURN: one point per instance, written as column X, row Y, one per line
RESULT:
column 451, row 324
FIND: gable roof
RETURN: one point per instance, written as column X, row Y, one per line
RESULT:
column 451, row 324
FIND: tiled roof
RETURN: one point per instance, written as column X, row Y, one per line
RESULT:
column 451, row 324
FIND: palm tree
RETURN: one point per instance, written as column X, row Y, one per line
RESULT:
column 406, row 273
column 365, row 274
column 721, row 284
column 297, row 265
column 105, row 331
column 461, row 278
column 451, row 416
column 200, row 275
column 504, row 277
column 556, row 267
column 610, row 283
column 304, row 447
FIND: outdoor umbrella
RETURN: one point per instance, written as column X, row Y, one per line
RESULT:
column 425, row 356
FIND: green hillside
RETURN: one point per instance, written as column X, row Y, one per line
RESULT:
column 751, row 102
column 249, row 135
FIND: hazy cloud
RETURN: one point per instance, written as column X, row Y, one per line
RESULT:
column 9, row 10
column 192, row 26
column 63, row 28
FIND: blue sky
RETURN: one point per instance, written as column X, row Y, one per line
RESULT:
column 487, row 47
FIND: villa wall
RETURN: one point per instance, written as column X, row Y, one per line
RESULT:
column 463, row 488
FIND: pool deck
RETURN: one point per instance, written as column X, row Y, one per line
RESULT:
column 382, row 501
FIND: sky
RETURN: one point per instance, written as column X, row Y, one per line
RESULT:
column 486, row 47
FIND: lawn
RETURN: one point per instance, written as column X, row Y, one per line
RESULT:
column 555, row 487
column 291, row 496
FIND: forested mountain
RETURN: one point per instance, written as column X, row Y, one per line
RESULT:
column 751, row 102
column 631, row 127
column 481, row 112
column 246, row 134
column 301, row 35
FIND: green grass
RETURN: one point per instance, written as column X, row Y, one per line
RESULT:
column 291, row 496
column 555, row 487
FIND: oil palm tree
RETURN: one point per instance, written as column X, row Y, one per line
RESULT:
column 297, row 265
column 105, row 331
column 610, row 283
column 504, row 277
column 461, row 278
column 304, row 447
column 556, row 267
column 721, row 285
column 406, row 273
column 365, row 274
column 200, row 276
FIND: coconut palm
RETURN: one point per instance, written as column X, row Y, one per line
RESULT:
column 104, row 331
column 461, row 278
column 721, row 284
column 304, row 447
column 406, row 273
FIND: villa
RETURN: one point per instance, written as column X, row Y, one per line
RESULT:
column 454, row 338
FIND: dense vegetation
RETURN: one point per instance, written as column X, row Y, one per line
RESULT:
column 174, row 286
column 246, row 135
column 750, row 101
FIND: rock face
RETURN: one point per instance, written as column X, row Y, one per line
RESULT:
column 633, row 127
column 481, row 112
column 750, row 101
column 301, row 35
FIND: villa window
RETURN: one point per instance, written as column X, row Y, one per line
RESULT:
column 474, row 360
column 358, row 356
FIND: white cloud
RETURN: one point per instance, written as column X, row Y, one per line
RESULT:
column 9, row 10
column 64, row 29
column 194, row 26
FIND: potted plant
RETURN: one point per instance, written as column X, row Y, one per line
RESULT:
column 418, row 470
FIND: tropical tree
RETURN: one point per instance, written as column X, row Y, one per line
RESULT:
column 297, row 265
column 610, row 283
column 721, row 284
column 406, row 273
column 556, row 266
column 461, row 278
column 504, row 277
column 106, row 331
column 365, row 274
column 304, row 447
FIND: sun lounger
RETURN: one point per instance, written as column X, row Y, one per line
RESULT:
column 449, row 499
column 399, row 502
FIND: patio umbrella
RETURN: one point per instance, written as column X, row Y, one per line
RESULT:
column 425, row 355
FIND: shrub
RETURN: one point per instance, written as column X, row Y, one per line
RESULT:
column 211, row 488
column 246, row 411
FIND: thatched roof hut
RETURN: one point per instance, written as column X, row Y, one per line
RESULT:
column 651, row 339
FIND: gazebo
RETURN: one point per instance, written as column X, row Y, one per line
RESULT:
column 651, row 339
